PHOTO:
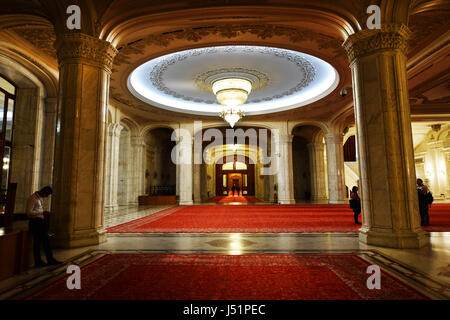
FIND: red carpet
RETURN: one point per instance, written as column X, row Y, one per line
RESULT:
column 226, row 277
column 248, row 218
column 439, row 218
column 262, row 218
column 229, row 199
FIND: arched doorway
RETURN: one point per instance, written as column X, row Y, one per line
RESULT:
column 7, row 102
column 235, row 170
column 309, row 163
column 160, row 170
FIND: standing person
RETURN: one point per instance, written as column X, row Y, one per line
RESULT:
column 422, row 192
column 355, row 203
column 238, row 189
column 35, row 213
column 233, row 188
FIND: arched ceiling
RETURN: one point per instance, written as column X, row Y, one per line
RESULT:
column 143, row 31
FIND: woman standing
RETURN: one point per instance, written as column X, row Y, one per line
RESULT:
column 355, row 203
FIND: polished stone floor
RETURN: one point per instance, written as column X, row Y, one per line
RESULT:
column 426, row 269
column 129, row 213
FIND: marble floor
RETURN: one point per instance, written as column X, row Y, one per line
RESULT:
column 426, row 269
column 129, row 213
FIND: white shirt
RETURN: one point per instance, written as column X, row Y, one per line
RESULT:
column 34, row 206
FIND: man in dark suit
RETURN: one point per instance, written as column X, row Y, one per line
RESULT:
column 36, row 213
column 233, row 189
column 422, row 191
column 238, row 189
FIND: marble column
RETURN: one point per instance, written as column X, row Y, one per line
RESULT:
column 138, row 170
column 49, row 130
column 335, row 166
column 197, row 183
column 203, row 183
column 112, row 165
column 185, row 167
column 27, row 144
column 85, row 64
column 435, row 168
column 446, row 151
column 385, row 149
column 317, row 167
column 285, row 173
column 124, row 175
column 447, row 167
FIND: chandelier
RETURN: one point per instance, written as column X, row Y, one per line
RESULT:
column 231, row 93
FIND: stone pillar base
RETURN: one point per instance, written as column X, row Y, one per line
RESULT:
column 338, row 201
column 111, row 208
column 186, row 203
column 400, row 240
column 286, row 201
column 87, row 238
column 315, row 198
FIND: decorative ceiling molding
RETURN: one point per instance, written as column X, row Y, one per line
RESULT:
column 304, row 66
column 258, row 79
column 229, row 31
column 42, row 37
column 424, row 27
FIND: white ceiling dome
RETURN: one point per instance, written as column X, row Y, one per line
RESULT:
column 281, row 79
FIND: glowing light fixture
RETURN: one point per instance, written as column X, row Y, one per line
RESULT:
column 231, row 93
column 234, row 147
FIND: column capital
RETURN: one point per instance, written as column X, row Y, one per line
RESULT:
column 368, row 41
column 318, row 146
column 51, row 105
column 137, row 141
column 435, row 144
column 336, row 138
column 114, row 129
column 79, row 47
column 286, row 138
column 51, row 100
column 185, row 140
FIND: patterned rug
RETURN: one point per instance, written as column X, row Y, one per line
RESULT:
column 248, row 218
column 262, row 218
column 226, row 277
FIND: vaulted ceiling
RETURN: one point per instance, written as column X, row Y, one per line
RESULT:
column 143, row 30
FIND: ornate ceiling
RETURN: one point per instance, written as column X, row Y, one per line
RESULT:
column 281, row 79
column 142, row 32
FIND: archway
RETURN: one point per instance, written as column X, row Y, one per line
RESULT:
column 160, row 170
column 237, row 171
column 309, row 164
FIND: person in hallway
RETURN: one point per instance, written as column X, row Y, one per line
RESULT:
column 238, row 189
column 233, row 189
column 422, row 192
column 35, row 213
column 355, row 204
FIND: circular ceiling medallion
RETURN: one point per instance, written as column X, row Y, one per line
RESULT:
column 258, row 79
column 281, row 79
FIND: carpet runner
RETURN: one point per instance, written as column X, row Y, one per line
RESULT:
column 248, row 218
column 230, row 199
column 439, row 218
column 262, row 218
column 226, row 277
